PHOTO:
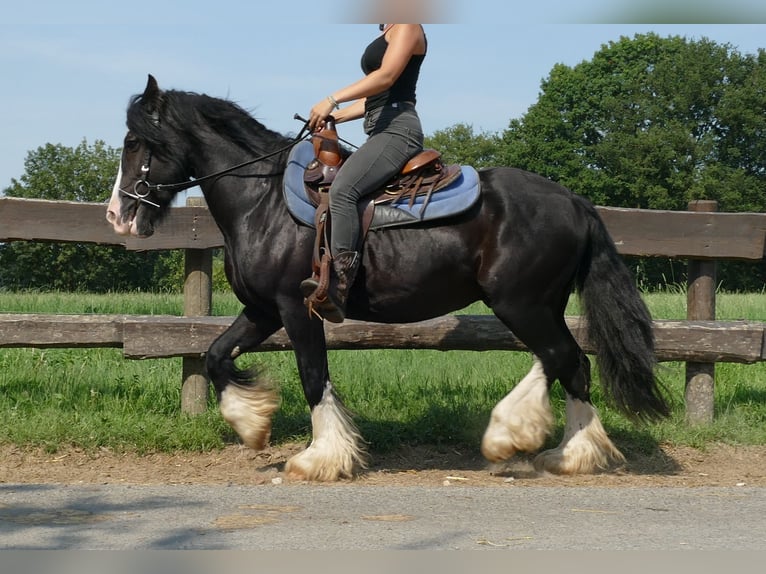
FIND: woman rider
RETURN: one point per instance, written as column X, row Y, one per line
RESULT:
column 385, row 97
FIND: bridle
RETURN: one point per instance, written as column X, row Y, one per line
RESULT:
column 143, row 187
column 143, row 181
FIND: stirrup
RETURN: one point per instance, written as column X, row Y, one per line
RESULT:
column 308, row 286
column 314, row 289
column 324, row 308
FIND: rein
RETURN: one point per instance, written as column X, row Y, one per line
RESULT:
column 141, row 196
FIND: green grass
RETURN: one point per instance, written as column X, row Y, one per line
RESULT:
column 94, row 398
column 109, row 303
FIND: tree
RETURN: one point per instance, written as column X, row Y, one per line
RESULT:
column 652, row 122
column 459, row 144
column 83, row 173
column 57, row 172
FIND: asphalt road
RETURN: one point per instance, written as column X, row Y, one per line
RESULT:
column 357, row 517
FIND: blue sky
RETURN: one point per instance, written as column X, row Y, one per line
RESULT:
column 68, row 69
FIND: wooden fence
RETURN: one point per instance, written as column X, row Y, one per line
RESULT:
column 699, row 235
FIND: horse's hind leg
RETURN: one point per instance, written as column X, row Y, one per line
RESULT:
column 585, row 447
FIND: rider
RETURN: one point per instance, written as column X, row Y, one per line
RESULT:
column 385, row 97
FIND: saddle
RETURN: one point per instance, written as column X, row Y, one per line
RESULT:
column 422, row 176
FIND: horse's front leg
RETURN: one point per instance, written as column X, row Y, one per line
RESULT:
column 522, row 420
column 337, row 449
column 246, row 399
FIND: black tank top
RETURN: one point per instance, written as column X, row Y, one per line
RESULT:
column 403, row 89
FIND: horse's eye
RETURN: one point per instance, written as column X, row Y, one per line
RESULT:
column 132, row 144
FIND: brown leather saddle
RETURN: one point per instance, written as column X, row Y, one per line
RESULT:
column 423, row 175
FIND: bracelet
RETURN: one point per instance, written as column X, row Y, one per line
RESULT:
column 334, row 102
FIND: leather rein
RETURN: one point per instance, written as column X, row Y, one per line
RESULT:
column 143, row 187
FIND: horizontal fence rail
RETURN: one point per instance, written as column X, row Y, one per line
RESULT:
column 154, row 336
column 639, row 232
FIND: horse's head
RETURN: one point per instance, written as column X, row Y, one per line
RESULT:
column 148, row 160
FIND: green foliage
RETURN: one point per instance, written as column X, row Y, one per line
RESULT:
column 459, row 144
column 75, row 267
column 220, row 282
column 83, row 173
column 168, row 275
column 653, row 123
column 169, row 272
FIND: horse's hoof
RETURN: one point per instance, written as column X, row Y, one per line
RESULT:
column 303, row 468
column 577, row 461
column 496, row 449
column 256, row 442
column 555, row 462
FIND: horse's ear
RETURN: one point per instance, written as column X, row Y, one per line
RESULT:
column 152, row 90
column 152, row 99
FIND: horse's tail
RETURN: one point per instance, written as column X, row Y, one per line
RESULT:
column 619, row 326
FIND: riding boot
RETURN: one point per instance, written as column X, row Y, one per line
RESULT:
column 331, row 305
column 345, row 265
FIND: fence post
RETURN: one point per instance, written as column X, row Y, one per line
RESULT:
column 198, row 298
column 700, row 305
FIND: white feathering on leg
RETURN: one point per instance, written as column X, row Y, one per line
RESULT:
column 585, row 448
column 336, row 450
column 522, row 420
column 249, row 410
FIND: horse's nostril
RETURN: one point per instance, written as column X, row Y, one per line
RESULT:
column 111, row 216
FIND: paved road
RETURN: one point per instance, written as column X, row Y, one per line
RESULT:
column 380, row 518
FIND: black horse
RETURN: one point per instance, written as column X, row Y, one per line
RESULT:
column 521, row 249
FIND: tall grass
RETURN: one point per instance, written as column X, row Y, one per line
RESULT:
column 94, row 398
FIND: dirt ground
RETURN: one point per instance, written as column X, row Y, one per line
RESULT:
column 716, row 465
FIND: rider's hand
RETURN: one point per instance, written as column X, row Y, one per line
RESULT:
column 319, row 114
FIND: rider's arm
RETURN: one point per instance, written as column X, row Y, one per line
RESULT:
column 403, row 41
column 353, row 111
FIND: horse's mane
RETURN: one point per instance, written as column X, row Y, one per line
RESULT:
column 193, row 114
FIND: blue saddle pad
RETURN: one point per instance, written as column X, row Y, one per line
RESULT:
column 458, row 197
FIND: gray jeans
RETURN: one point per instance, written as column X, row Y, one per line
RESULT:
column 395, row 136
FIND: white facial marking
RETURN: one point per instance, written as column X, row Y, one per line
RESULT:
column 114, row 210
